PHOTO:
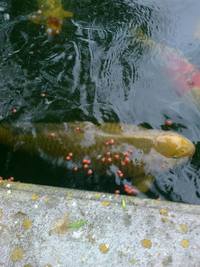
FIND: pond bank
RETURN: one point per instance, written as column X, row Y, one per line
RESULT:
column 48, row 226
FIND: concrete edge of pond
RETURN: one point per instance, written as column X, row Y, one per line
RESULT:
column 50, row 226
column 89, row 195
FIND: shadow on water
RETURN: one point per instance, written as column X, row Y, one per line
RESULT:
column 98, row 70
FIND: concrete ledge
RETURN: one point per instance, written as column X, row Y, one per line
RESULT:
column 48, row 226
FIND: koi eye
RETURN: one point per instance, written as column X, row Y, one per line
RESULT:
column 181, row 151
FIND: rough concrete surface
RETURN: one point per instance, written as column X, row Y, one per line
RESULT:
column 47, row 226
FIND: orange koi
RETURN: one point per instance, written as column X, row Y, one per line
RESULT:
column 51, row 14
column 185, row 75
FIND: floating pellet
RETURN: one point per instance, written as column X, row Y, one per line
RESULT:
column 103, row 159
column 78, row 129
column 120, row 174
column 126, row 154
column 112, row 141
column 68, row 158
column 90, row 172
column 127, row 159
column 75, row 169
column 116, row 156
column 49, row 31
column 85, row 166
column 109, row 142
column 168, row 122
column 52, row 134
column 11, row 179
column 123, row 163
column 130, row 190
column 109, row 159
column 117, row 192
column 43, row 94
column 86, row 161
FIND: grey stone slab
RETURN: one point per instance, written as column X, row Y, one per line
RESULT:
column 46, row 226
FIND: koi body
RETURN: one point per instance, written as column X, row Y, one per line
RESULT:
column 122, row 150
column 51, row 14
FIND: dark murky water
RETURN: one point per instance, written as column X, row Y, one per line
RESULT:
column 97, row 70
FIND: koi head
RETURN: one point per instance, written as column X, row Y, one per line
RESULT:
column 173, row 145
column 54, row 25
column 55, row 18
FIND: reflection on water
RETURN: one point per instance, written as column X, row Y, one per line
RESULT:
column 98, row 70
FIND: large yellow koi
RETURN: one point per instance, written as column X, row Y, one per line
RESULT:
column 51, row 14
column 123, row 150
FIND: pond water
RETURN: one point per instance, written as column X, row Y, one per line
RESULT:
column 98, row 69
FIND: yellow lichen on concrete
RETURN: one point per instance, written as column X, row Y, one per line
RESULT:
column 104, row 248
column 146, row 243
column 35, row 197
column 164, row 219
column 105, row 203
column 185, row 243
column 27, row 224
column 133, row 261
column 164, row 212
column 17, row 254
column 183, row 228
column 69, row 196
column 97, row 196
column 28, row 265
